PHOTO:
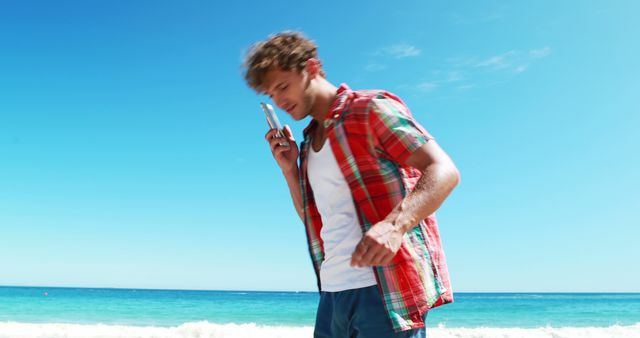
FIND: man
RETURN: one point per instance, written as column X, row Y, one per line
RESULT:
column 369, row 181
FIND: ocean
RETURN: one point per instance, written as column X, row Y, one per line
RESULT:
column 85, row 312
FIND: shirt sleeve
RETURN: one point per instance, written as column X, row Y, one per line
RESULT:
column 396, row 132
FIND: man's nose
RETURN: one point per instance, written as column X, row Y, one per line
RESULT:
column 279, row 101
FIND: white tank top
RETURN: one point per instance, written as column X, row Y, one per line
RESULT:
column 340, row 229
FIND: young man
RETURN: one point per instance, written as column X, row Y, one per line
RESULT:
column 369, row 181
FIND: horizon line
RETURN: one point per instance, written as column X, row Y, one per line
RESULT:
column 305, row 291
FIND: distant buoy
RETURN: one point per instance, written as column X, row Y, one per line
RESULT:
column 45, row 294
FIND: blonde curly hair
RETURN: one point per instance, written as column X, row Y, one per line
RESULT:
column 286, row 50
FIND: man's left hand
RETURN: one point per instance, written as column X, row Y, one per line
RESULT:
column 378, row 245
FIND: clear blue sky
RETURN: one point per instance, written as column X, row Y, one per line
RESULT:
column 132, row 152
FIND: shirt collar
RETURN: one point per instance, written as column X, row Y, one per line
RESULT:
column 337, row 107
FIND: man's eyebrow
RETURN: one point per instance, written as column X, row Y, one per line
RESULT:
column 273, row 88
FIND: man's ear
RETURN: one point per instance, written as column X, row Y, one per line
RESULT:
column 312, row 66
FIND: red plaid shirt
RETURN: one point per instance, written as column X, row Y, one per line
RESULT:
column 372, row 133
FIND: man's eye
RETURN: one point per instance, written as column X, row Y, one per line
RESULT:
column 284, row 87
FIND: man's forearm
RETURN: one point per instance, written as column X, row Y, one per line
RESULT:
column 436, row 183
column 293, row 182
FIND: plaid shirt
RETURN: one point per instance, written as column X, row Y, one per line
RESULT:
column 372, row 133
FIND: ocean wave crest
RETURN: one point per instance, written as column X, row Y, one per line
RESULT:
column 212, row 330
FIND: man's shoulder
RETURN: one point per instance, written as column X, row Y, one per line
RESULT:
column 369, row 94
column 364, row 98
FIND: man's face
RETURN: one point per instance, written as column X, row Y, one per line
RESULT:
column 289, row 90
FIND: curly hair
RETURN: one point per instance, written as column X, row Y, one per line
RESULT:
column 286, row 50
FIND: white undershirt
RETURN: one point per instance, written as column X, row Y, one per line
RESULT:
column 340, row 228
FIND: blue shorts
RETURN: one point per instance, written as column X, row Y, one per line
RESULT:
column 357, row 313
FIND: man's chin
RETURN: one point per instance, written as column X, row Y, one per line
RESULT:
column 298, row 117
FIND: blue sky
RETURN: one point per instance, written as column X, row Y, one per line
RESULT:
column 132, row 152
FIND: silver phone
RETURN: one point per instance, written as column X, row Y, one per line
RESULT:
column 274, row 123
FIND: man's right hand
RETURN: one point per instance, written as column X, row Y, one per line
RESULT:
column 286, row 157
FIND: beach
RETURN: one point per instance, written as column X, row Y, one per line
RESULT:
column 205, row 329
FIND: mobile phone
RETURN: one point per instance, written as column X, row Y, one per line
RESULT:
column 274, row 123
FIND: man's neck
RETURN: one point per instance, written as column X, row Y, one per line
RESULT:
column 324, row 99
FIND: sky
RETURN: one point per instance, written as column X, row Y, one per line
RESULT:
column 132, row 153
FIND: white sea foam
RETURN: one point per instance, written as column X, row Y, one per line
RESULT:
column 210, row 330
column 187, row 330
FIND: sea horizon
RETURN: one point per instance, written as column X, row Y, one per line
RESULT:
column 302, row 291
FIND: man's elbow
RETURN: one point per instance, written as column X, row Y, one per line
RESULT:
column 452, row 176
column 456, row 176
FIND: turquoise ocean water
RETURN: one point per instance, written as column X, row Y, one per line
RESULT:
column 85, row 312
